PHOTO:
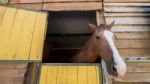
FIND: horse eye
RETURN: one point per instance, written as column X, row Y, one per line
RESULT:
column 97, row 37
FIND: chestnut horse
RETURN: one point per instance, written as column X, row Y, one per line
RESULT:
column 102, row 44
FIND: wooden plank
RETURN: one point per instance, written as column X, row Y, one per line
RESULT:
column 127, row 9
column 25, row 1
column 70, row 0
column 13, row 65
column 52, row 75
column 62, row 75
column 129, row 20
column 15, row 35
column 92, row 75
column 132, row 43
column 24, row 44
column 138, row 67
column 128, row 52
column 30, row 6
column 2, row 12
column 72, row 75
column 126, row 28
column 4, row 1
column 43, row 75
column 7, row 80
column 133, row 35
column 126, row 4
column 5, row 30
column 12, row 72
column 73, row 6
column 82, row 75
column 126, row 1
column 135, row 77
column 126, row 15
column 38, row 37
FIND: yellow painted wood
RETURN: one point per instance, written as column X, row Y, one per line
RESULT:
column 15, row 35
column 5, row 30
column 26, row 36
column 70, row 74
column 38, row 37
column 43, row 76
column 22, row 34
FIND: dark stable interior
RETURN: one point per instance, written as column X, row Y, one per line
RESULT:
column 67, row 32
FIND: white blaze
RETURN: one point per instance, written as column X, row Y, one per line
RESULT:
column 120, row 65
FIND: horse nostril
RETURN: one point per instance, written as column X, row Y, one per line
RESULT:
column 114, row 71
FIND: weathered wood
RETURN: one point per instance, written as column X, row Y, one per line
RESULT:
column 135, row 35
column 128, row 52
column 132, row 43
column 100, row 17
column 13, row 65
column 4, row 1
column 70, row 0
column 126, row 1
column 12, row 72
column 72, row 6
column 25, row 1
column 129, row 20
column 138, row 67
column 7, row 80
column 127, row 9
column 136, row 77
column 131, row 28
column 30, row 6
column 126, row 4
column 126, row 15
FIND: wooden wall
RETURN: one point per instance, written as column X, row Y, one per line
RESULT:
column 59, row 5
column 132, row 30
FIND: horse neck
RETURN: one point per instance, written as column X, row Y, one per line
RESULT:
column 89, row 52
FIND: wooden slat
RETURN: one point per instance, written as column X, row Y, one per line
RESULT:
column 7, row 80
column 92, row 75
column 135, row 35
column 30, row 6
column 2, row 12
column 82, row 75
column 128, row 52
column 136, row 77
column 5, row 30
column 138, row 67
column 15, row 35
column 13, row 65
column 24, row 44
column 38, row 37
column 62, row 75
column 126, row 15
column 73, row 6
column 126, row 1
column 43, row 75
column 25, row 1
column 70, row 0
column 4, row 1
column 124, row 28
column 127, row 9
column 127, row 4
column 12, row 72
column 129, row 20
column 132, row 43
column 72, row 75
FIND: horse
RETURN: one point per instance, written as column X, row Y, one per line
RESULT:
column 101, row 43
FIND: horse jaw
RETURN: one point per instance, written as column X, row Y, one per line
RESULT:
column 120, row 64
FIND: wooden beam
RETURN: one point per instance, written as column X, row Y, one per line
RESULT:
column 129, row 20
column 127, row 1
column 7, row 80
column 25, row 1
column 126, row 4
column 83, row 6
column 129, row 52
column 30, row 6
column 135, row 35
column 127, row 9
column 126, row 15
column 71, row 0
column 132, row 43
column 13, row 65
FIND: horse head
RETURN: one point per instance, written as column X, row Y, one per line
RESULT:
column 116, row 67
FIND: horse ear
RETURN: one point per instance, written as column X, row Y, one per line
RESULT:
column 111, row 24
column 93, row 27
